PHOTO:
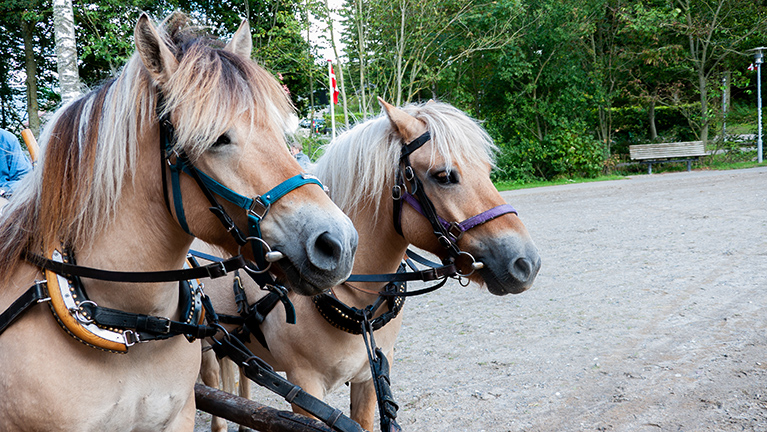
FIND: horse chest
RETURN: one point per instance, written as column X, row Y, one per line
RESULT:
column 82, row 389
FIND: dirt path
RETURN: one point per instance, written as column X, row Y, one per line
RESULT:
column 649, row 314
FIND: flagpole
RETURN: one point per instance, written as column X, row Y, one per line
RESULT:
column 332, row 102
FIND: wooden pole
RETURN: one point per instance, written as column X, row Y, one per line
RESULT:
column 31, row 142
column 252, row 414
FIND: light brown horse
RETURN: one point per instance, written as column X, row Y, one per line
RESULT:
column 98, row 189
column 360, row 168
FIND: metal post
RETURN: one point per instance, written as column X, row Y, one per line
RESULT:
column 759, row 107
column 758, row 60
column 724, row 108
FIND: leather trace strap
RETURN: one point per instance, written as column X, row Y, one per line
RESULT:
column 379, row 368
column 37, row 293
column 262, row 374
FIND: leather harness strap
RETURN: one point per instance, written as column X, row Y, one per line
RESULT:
column 263, row 374
column 37, row 293
column 212, row 271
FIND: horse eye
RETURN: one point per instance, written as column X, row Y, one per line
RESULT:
column 222, row 140
column 442, row 177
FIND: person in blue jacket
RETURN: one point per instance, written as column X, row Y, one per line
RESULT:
column 13, row 163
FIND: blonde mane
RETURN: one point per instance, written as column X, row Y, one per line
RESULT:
column 359, row 165
column 90, row 146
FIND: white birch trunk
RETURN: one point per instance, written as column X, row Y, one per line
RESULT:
column 66, row 51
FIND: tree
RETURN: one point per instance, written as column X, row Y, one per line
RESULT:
column 66, row 49
column 654, row 56
column 25, row 71
column 714, row 30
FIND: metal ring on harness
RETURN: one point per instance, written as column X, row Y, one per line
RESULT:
column 268, row 251
column 474, row 265
column 77, row 312
column 227, row 336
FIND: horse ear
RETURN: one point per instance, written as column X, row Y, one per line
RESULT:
column 408, row 127
column 154, row 53
column 241, row 43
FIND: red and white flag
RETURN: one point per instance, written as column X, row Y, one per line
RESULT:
column 751, row 67
column 333, row 83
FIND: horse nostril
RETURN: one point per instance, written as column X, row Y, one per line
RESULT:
column 522, row 269
column 325, row 253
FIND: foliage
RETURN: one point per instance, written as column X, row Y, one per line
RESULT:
column 562, row 86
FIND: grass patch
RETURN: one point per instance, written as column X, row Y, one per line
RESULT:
column 724, row 165
column 709, row 163
column 513, row 185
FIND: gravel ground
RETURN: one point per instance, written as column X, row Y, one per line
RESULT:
column 649, row 314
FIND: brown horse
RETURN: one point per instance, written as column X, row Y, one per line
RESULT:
column 360, row 167
column 98, row 192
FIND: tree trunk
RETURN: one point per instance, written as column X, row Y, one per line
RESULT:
column 361, row 51
column 703, row 106
column 66, row 50
column 651, row 120
column 33, row 108
column 311, row 78
column 400, row 52
column 339, row 69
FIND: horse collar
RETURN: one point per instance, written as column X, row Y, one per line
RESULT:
column 350, row 319
column 112, row 330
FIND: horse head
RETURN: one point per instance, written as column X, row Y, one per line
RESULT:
column 452, row 165
column 227, row 118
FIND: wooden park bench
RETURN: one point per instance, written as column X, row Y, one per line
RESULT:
column 667, row 152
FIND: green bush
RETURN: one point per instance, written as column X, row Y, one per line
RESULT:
column 569, row 151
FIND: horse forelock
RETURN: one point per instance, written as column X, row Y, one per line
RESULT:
column 230, row 86
column 360, row 164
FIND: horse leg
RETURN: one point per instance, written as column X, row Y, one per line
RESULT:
column 227, row 375
column 209, row 372
column 311, row 385
column 244, row 387
column 363, row 404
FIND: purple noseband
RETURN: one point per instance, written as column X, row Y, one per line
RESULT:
column 456, row 229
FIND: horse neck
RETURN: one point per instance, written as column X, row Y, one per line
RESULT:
column 142, row 236
column 380, row 250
